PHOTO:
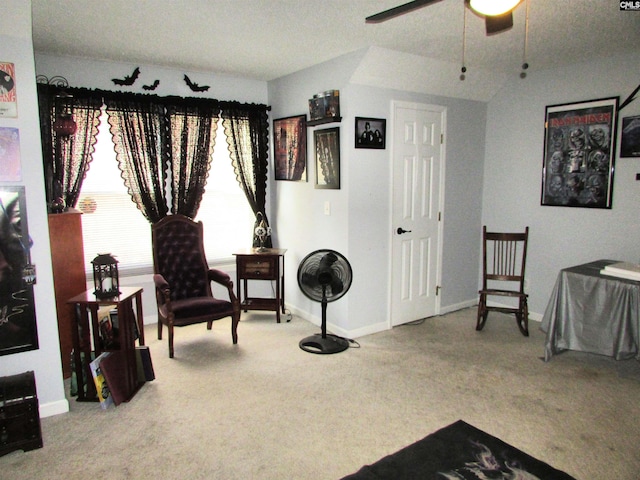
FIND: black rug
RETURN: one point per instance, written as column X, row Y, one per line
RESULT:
column 459, row 452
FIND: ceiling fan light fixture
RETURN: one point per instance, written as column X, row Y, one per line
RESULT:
column 493, row 7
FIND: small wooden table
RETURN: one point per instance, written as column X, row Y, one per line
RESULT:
column 255, row 264
column 85, row 331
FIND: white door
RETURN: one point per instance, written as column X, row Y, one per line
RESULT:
column 418, row 173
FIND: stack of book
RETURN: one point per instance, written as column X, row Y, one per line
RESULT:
column 627, row 270
column 108, row 375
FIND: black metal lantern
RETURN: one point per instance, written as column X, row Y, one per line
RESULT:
column 105, row 276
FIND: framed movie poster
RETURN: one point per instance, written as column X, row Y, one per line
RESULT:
column 579, row 154
column 8, row 97
column 18, row 331
column 630, row 138
column 327, row 143
column 370, row 132
column 290, row 148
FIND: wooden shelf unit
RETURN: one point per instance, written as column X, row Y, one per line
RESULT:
column 86, row 338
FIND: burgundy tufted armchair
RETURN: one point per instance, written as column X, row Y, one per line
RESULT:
column 183, row 279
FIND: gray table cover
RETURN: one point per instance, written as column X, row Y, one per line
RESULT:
column 594, row 313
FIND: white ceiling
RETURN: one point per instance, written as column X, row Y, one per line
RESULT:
column 267, row 39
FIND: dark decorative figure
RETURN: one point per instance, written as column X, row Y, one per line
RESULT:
column 129, row 79
column 194, row 86
column 153, row 86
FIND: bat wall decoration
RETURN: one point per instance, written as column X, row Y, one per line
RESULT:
column 128, row 80
column 194, row 86
column 153, row 86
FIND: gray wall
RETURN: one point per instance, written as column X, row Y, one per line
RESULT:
column 560, row 236
column 359, row 224
column 16, row 47
column 493, row 172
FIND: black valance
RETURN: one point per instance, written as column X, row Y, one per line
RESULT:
column 167, row 101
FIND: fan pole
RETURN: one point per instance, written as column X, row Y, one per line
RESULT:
column 324, row 343
column 324, row 311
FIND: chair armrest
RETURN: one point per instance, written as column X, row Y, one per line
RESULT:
column 163, row 291
column 223, row 279
column 160, row 282
column 219, row 276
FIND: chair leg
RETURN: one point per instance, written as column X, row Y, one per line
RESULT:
column 235, row 319
column 522, row 318
column 159, row 329
column 170, row 328
column 482, row 312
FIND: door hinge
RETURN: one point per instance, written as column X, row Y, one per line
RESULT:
column 437, row 290
column 441, row 138
column 439, row 216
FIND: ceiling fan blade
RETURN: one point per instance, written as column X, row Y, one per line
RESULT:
column 498, row 23
column 399, row 10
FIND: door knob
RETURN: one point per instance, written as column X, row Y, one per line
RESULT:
column 401, row 231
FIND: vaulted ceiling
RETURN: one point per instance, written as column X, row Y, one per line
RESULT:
column 267, row 39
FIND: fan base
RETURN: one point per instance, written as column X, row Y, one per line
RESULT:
column 324, row 345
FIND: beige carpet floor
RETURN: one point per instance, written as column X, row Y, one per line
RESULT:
column 264, row 409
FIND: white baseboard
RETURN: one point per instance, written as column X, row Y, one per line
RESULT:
column 368, row 330
column 54, row 408
column 458, row 306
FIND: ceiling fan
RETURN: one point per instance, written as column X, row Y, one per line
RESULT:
column 497, row 14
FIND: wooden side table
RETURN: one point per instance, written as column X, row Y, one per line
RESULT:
column 254, row 264
column 86, row 338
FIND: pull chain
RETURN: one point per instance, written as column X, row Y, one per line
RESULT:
column 463, row 70
column 525, row 65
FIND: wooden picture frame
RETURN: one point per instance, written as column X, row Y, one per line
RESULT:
column 370, row 133
column 18, row 329
column 290, row 148
column 327, row 147
column 579, row 154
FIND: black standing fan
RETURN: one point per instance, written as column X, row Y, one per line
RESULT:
column 324, row 276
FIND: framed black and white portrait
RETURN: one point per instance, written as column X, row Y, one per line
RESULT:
column 370, row 132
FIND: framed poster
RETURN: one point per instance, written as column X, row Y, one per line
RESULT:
column 630, row 142
column 8, row 97
column 370, row 132
column 327, row 143
column 18, row 332
column 290, row 148
column 579, row 154
column 10, row 168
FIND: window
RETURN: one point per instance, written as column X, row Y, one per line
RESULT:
column 112, row 224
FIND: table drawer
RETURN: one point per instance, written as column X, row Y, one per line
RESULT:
column 257, row 267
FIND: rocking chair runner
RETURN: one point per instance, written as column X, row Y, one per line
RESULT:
column 183, row 279
column 504, row 257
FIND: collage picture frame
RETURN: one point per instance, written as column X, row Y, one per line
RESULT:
column 327, row 158
column 579, row 153
column 290, row 148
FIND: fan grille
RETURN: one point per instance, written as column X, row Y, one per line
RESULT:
column 328, row 269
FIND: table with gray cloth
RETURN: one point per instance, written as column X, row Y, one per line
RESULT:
column 594, row 313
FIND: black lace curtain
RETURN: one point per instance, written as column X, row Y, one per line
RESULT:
column 67, row 157
column 248, row 138
column 158, row 140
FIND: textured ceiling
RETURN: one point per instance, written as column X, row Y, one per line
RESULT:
column 267, row 39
